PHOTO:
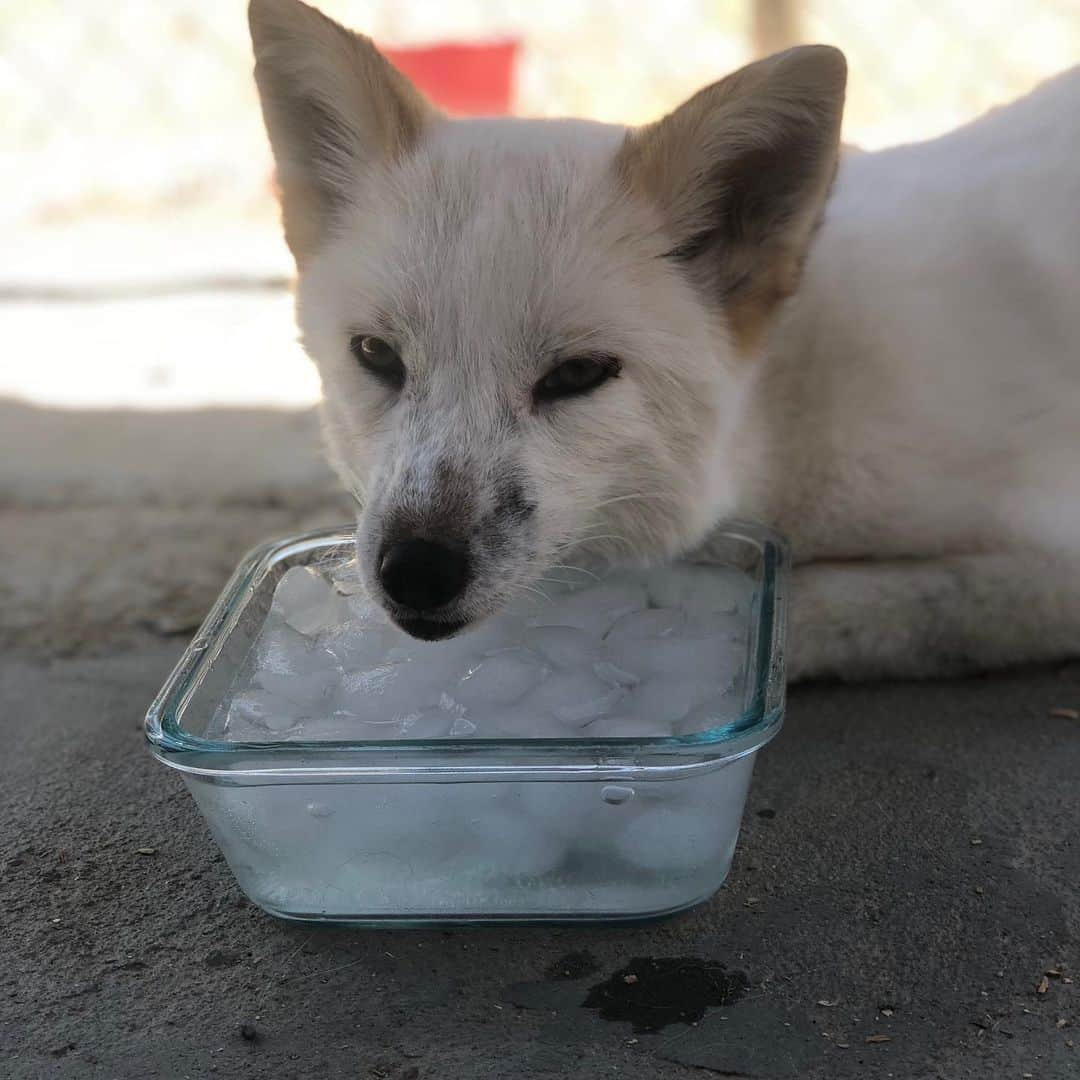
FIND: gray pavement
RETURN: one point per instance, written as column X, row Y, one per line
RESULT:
column 906, row 877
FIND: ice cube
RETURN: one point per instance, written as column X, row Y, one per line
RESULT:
column 462, row 728
column 524, row 607
column 285, row 651
column 310, row 691
column 501, row 678
column 398, row 654
column 522, row 720
column 307, row 602
column 348, row 580
column 258, row 716
column 500, row 631
column 650, row 623
column 445, row 718
column 512, row 845
column 450, row 705
column 663, row 701
column 354, row 646
column 215, row 729
column 559, row 808
column 563, row 646
column 595, row 609
column 576, row 813
column 732, row 628
column 667, row 840
column 711, row 659
column 614, row 675
column 527, row 604
column 363, row 611
column 449, row 658
column 726, row 591
column 575, row 697
column 715, row 711
column 429, row 679
column 623, row 726
column 252, row 707
column 382, row 693
column 429, row 723
column 701, row 589
column 348, row 727
column 667, row 586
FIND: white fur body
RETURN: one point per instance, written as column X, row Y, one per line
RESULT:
column 919, row 405
column 905, row 406
column 921, row 395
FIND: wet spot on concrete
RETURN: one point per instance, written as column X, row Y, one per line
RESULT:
column 651, row 993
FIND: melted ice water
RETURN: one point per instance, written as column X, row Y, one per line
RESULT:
column 632, row 654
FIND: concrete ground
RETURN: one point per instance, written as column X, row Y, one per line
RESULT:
column 904, row 900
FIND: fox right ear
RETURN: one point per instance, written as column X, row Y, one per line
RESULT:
column 334, row 108
column 740, row 174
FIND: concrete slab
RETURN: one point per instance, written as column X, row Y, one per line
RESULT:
column 906, row 876
column 908, row 872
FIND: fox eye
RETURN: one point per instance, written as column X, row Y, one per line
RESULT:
column 379, row 358
column 578, row 375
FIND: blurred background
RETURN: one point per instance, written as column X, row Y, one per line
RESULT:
column 155, row 410
column 137, row 200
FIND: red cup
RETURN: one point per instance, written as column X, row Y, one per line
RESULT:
column 462, row 78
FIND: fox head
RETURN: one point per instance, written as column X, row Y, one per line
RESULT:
column 533, row 336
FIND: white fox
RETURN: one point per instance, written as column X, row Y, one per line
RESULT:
column 538, row 338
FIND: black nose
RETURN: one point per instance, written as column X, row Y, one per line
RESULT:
column 423, row 575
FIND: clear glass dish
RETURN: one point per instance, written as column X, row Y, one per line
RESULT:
column 384, row 833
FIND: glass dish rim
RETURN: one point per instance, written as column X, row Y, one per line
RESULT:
column 173, row 745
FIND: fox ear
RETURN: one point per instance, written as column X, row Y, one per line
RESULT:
column 334, row 107
column 740, row 174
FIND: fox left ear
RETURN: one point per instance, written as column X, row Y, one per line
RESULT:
column 740, row 174
column 334, row 108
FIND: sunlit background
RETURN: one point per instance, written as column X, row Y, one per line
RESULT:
column 142, row 264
